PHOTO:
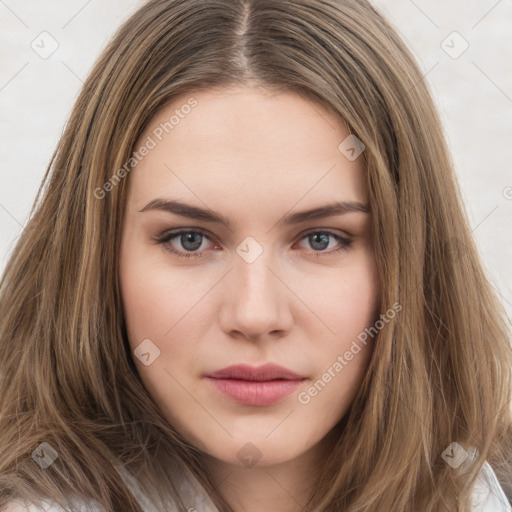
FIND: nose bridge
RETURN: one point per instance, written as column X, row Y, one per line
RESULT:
column 258, row 300
column 256, row 283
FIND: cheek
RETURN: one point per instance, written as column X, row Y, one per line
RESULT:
column 144, row 304
column 156, row 303
column 350, row 307
column 351, row 300
column 153, row 298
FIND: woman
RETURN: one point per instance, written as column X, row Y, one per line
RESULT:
column 249, row 283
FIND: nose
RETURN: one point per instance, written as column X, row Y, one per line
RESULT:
column 256, row 302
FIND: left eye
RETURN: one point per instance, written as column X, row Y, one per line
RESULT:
column 191, row 241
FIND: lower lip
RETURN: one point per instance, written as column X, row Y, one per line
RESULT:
column 248, row 392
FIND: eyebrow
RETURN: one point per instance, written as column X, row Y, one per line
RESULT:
column 207, row 215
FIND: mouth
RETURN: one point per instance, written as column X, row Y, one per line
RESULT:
column 261, row 386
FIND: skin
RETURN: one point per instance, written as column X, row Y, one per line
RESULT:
column 253, row 156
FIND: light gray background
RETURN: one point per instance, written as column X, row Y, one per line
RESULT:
column 473, row 93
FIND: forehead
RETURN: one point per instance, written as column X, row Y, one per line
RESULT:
column 251, row 142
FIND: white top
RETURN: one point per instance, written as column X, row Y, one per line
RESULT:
column 488, row 496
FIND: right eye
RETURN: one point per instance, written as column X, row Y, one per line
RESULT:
column 190, row 239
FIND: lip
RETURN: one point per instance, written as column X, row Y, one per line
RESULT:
column 269, row 371
column 258, row 386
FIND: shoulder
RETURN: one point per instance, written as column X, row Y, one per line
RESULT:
column 47, row 506
column 488, row 495
column 189, row 488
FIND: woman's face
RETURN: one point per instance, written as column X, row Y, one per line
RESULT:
column 243, row 276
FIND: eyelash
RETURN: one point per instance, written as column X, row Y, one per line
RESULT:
column 168, row 236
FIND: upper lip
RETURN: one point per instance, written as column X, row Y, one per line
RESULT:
column 266, row 372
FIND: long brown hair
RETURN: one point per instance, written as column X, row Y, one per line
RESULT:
column 441, row 369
